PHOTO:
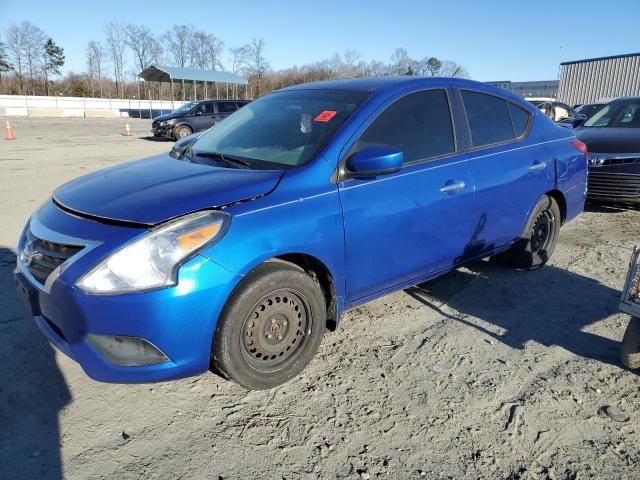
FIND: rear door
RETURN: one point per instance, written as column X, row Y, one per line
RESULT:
column 510, row 166
column 224, row 109
column 405, row 225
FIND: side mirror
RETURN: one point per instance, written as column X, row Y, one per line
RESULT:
column 373, row 161
column 198, row 112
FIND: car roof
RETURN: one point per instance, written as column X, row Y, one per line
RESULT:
column 378, row 84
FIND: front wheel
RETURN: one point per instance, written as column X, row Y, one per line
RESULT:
column 538, row 240
column 630, row 351
column 181, row 131
column 270, row 328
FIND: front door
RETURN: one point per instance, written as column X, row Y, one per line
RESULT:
column 409, row 224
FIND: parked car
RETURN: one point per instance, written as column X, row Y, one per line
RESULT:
column 559, row 112
column 589, row 109
column 612, row 136
column 630, row 304
column 194, row 117
column 306, row 202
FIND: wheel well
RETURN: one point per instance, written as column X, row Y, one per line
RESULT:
column 322, row 275
column 562, row 203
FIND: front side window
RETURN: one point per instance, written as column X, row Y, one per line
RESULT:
column 419, row 125
column 489, row 118
column 617, row 115
column 204, row 109
column 283, row 129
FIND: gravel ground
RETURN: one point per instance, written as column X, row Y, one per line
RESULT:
column 482, row 373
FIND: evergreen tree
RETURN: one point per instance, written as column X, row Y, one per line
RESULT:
column 53, row 59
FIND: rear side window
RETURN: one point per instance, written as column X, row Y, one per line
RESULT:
column 520, row 119
column 226, row 107
column 419, row 125
column 489, row 118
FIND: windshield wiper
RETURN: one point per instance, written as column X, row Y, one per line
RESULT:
column 225, row 159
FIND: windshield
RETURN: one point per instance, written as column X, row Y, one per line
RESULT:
column 589, row 109
column 281, row 130
column 185, row 108
column 617, row 115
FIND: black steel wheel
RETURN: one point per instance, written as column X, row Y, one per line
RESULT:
column 538, row 240
column 270, row 328
column 275, row 330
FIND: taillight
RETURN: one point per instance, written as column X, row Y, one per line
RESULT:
column 580, row 146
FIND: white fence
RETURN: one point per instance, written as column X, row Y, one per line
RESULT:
column 32, row 106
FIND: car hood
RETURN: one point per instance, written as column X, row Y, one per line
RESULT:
column 166, row 116
column 610, row 140
column 160, row 188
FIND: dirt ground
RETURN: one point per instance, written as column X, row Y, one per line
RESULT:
column 483, row 373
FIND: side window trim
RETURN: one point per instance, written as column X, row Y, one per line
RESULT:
column 473, row 148
column 346, row 152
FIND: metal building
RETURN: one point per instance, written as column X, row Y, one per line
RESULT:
column 593, row 79
column 538, row 88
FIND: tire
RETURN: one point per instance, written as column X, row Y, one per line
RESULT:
column 181, row 131
column 270, row 328
column 630, row 351
column 538, row 240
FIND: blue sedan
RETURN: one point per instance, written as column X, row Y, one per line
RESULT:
column 238, row 255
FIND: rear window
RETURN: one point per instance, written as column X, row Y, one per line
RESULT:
column 519, row 118
column 226, row 107
column 419, row 125
column 489, row 118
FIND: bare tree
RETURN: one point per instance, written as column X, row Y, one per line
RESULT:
column 453, row 69
column 178, row 42
column 350, row 67
column 116, row 43
column 145, row 47
column 95, row 60
column 238, row 58
column 34, row 39
column 400, row 61
column 258, row 64
column 15, row 45
column 215, row 49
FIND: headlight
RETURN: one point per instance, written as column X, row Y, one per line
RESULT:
column 153, row 260
column 166, row 123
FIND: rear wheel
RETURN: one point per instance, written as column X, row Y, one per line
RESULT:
column 538, row 240
column 181, row 131
column 630, row 351
column 270, row 328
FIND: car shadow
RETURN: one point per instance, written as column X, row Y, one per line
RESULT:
column 595, row 207
column 32, row 389
column 152, row 138
column 550, row 306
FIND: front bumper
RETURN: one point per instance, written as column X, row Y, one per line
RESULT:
column 613, row 186
column 159, row 131
column 179, row 320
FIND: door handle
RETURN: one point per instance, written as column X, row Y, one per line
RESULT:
column 452, row 187
column 538, row 166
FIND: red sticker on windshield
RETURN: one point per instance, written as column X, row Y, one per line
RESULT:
column 325, row 116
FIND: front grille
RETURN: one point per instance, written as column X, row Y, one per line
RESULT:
column 620, row 161
column 42, row 257
column 613, row 185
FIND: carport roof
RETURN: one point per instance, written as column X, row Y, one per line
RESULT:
column 166, row 74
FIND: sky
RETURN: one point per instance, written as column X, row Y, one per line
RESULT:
column 494, row 40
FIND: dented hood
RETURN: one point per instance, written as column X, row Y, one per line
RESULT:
column 159, row 188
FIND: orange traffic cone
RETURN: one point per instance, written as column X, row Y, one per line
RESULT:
column 127, row 131
column 8, row 132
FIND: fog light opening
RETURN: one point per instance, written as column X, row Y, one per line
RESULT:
column 127, row 351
